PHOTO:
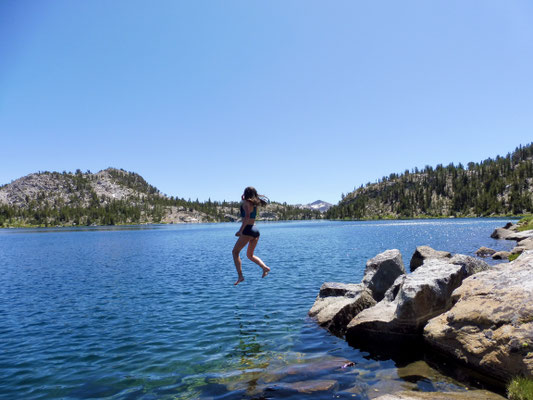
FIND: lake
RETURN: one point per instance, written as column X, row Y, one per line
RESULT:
column 150, row 312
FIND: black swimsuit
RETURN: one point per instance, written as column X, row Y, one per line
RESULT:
column 250, row 230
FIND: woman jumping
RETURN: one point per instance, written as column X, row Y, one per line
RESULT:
column 248, row 234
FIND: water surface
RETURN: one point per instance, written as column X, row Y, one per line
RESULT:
column 150, row 312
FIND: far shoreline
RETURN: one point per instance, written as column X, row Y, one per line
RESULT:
column 510, row 217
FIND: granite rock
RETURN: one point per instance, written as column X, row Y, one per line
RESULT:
column 470, row 264
column 501, row 255
column 423, row 253
column 490, row 326
column 381, row 272
column 410, row 302
column 338, row 303
column 485, row 251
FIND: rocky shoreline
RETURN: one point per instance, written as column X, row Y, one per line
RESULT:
column 457, row 306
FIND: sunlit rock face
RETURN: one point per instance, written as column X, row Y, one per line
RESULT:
column 490, row 326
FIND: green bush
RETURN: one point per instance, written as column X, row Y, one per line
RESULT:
column 513, row 257
column 525, row 223
column 520, row 389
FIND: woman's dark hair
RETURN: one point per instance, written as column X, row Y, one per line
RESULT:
column 251, row 195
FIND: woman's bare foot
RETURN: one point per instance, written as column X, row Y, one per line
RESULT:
column 266, row 270
column 241, row 278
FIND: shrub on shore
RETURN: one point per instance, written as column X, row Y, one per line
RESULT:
column 525, row 223
column 520, row 389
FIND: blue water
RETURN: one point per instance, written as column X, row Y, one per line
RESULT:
column 150, row 312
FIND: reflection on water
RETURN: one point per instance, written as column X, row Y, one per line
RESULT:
column 150, row 312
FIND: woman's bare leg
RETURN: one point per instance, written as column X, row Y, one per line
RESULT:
column 254, row 258
column 243, row 240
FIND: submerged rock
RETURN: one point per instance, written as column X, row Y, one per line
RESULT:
column 485, row 251
column 465, row 395
column 490, row 326
column 423, row 253
column 304, row 387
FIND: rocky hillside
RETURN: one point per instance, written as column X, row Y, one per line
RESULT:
column 110, row 197
column 318, row 205
column 500, row 186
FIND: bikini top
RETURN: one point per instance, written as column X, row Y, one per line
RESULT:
column 253, row 214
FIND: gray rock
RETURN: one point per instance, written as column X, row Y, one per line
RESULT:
column 338, row 303
column 381, row 272
column 501, row 255
column 501, row 233
column 423, row 253
column 520, row 236
column 419, row 297
column 485, row 251
column 526, row 244
column 471, row 265
column 490, row 326
column 340, row 289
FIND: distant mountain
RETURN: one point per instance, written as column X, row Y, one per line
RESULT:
column 500, row 186
column 318, row 205
column 113, row 196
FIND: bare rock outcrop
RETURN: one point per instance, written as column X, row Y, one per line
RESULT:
column 471, row 265
column 338, row 303
column 490, row 326
column 501, row 233
column 510, row 231
column 523, row 245
column 423, row 253
column 381, row 272
column 410, row 302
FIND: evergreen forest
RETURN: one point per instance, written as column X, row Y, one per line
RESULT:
column 74, row 199
column 493, row 187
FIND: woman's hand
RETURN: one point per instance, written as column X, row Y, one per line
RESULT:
column 238, row 233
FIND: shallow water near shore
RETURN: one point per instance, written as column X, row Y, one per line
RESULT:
column 150, row 312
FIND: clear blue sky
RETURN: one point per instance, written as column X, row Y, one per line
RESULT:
column 302, row 99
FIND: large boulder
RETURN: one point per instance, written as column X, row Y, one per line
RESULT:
column 490, row 326
column 470, row 264
column 410, row 302
column 338, row 303
column 501, row 233
column 423, row 253
column 381, row 272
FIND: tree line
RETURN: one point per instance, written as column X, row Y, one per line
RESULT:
column 77, row 203
column 499, row 186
